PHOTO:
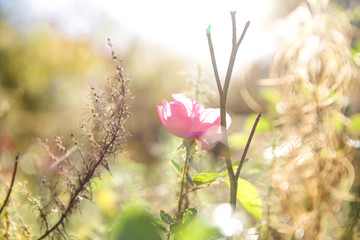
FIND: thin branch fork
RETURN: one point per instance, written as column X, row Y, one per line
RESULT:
column 234, row 50
column 223, row 91
column 11, row 184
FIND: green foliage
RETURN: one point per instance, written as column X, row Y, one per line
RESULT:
column 190, row 226
column 176, row 224
column 264, row 125
column 272, row 96
column 160, row 224
column 336, row 124
column 238, row 141
column 196, row 229
column 135, row 223
column 355, row 51
column 179, row 170
column 174, row 227
column 204, row 178
column 355, row 123
column 249, row 197
column 189, row 214
column 166, row 217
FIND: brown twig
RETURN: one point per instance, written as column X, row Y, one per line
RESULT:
column 213, row 61
column 11, row 185
column 247, row 146
column 233, row 55
column 223, row 91
column 233, row 20
column 196, row 188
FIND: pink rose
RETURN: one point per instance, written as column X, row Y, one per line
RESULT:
column 187, row 118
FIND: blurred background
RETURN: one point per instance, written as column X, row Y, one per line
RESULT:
column 52, row 51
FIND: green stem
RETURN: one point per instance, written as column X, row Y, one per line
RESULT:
column 188, row 145
column 232, row 179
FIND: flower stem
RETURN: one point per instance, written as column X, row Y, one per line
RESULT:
column 188, row 143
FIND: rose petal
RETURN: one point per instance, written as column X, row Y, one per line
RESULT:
column 187, row 118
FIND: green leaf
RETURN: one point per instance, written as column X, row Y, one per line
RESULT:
column 197, row 229
column 160, row 224
column 179, row 170
column 208, row 29
column 204, row 178
column 189, row 214
column 177, row 167
column 165, row 217
column 131, row 220
column 174, row 226
column 249, row 197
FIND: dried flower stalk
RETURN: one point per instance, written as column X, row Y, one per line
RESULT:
column 314, row 73
column 78, row 165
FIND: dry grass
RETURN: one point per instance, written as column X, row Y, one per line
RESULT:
column 315, row 76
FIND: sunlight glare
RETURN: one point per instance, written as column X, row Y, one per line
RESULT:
column 284, row 149
column 175, row 26
column 227, row 223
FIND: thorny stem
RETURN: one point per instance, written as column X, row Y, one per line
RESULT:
column 188, row 145
column 11, row 184
column 223, row 91
column 82, row 185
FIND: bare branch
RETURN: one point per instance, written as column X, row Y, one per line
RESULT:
column 233, row 55
column 233, row 20
column 223, row 92
column 213, row 61
column 247, row 146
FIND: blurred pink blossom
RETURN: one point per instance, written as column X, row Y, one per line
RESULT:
column 187, row 118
